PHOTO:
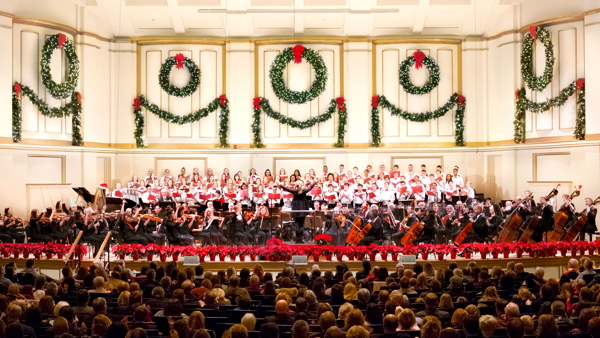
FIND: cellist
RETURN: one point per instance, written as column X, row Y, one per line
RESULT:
column 590, row 224
column 546, row 222
column 480, row 226
column 428, row 235
column 376, row 231
column 415, row 216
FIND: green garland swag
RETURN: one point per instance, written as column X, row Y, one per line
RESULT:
column 219, row 102
column 276, row 75
column 524, row 104
column 455, row 100
column 265, row 106
column 165, row 70
column 72, row 108
column 533, row 82
column 432, row 82
column 63, row 90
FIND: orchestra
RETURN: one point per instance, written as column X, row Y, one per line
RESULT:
column 394, row 207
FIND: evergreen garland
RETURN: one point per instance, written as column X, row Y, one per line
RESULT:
column 63, row 90
column 278, row 85
column 189, row 118
column 165, row 70
column 262, row 104
column 72, row 108
column 533, row 82
column 432, row 82
column 524, row 104
column 455, row 100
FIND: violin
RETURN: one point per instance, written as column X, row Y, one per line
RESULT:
column 248, row 215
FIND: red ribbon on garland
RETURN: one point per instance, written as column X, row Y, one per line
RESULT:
column 533, row 32
column 580, row 84
column 516, row 94
column 79, row 97
column 340, row 103
column 223, row 98
column 460, row 100
column 298, row 50
column 419, row 57
column 179, row 58
column 375, row 101
column 256, row 102
column 61, row 40
column 136, row 103
column 17, row 90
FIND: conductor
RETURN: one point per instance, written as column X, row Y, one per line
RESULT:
column 300, row 201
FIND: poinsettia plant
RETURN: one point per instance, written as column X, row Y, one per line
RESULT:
column 445, row 248
column 80, row 250
column 467, row 248
column 57, row 248
column 323, row 239
column 390, row 249
column 244, row 250
column 410, row 249
column 496, row 247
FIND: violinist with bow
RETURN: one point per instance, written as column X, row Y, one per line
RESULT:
column 129, row 224
column 256, row 231
column 91, row 232
column 11, row 223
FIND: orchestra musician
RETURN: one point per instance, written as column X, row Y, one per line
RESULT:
column 480, row 226
column 449, row 228
column 413, row 215
column 153, row 226
column 590, row 224
column 91, row 233
column 173, row 225
column 494, row 220
column 300, row 201
column 546, row 222
column 10, row 224
column 256, row 231
column 376, row 232
column 428, row 235
column 238, row 225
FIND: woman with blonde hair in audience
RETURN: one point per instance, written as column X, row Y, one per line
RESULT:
column 489, row 295
column 457, row 319
column 429, row 271
column 231, row 272
column 487, row 325
column 431, row 327
column 421, row 283
column 258, row 270
column 220, row 297
column 528, row 325
column 445, row 302
column 358, row 331
column 350, row 292
column 353, row 318
column 525, row 296
column 407, row 320
column 344, row 310
column 196, row 321
column 473, row 310
column 249, row 321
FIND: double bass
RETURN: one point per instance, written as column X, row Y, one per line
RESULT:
column 535, row 219
column 512, row 224
column 358, row 232
column 574, row 231
column 560, row 219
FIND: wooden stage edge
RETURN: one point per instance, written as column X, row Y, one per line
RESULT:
column 556, row 262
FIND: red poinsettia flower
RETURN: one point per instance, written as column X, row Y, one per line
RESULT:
column 375, row 101
column 136, row 103
column 298, row 50
column 18, row 89
column 340, row 103
column 223, row 99
column 533, row 32
column 256, row 102
column 179, row 58
column 461, row 100
column 61, row 40
column 419, row 56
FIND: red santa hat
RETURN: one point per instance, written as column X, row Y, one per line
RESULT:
column 103, row 186
column 141, row 190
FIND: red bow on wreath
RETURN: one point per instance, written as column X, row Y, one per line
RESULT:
column 18, row 89
column 419, row 57
column 533, row 32
column 375, row 101
column 340, row 103
column 79, row 97
column 223, row 98
column 136, row 103
column 460, row 100
column 298, row 50
column 580, row 84
column 256, row 102
column 61, row 40
column 179, row 58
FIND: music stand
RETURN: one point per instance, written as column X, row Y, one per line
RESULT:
column 455, row 199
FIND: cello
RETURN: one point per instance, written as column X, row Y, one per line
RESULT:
column 413, row 233
column 463, row 233
column 357, row 233
column 561, row 218
column 573, row 231
column 512, row 223
column 535, row 219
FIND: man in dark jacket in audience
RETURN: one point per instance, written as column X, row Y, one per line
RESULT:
column 545, row 296
column 431, row 303
column 283, row 315
column 365, row 271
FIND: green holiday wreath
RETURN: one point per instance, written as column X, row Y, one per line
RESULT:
column 262, row 104
column 455, row 100
column 533, row 82
column 419, row 58
column 72, row 108
column 297, row 54
column 220, row 102
column 63, row 90
column 179, row 61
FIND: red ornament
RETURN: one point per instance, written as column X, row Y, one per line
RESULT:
column 516, row 94
column 18, row 89
column 256, row 102
column 533, row 32
column 375, row 101
column 79, row 97
column 223, row 98
column 61, row 40
column 419, row 57
column 298, row 50
column 136, row 103
column 461, row 100
column 179, row 58
column 340, row 103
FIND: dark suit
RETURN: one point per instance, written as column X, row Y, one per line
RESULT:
column 281, row 318
column 590, row 224
column 480, row 230
column 239, row 227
